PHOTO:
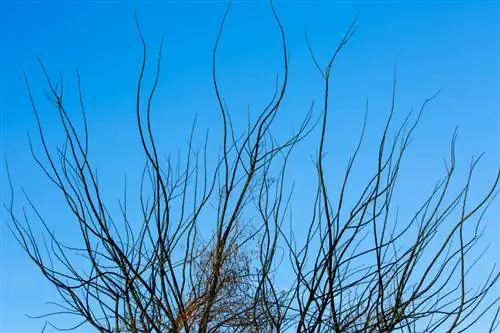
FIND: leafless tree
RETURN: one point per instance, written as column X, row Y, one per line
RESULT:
column 357, row 268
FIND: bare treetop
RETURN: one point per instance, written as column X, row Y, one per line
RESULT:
column 357, row 267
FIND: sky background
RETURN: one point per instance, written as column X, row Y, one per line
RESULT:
column 449, row 47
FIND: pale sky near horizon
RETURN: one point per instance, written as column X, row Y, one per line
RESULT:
column 449, row 47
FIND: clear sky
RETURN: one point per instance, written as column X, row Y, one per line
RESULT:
column 449, row 47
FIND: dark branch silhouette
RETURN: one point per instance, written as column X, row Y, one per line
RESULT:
column 358, row 267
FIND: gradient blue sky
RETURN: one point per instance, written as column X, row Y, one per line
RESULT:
column 449, row 47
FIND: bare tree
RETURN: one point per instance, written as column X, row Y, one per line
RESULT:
column 358, row 268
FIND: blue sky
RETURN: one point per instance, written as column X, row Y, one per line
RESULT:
column 449, row 47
